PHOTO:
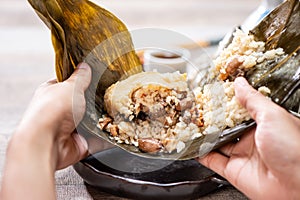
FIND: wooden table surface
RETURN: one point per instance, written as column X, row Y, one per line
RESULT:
column 27, row 60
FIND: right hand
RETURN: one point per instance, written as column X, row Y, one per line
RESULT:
column 265, row 163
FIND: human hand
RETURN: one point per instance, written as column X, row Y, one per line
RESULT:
column 54, row 112
column 265, row 163
column 46, row 139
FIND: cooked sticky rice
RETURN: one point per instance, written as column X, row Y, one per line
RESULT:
column 160, row 113
column 242, row 54
column 220, row 107
column 153, row 108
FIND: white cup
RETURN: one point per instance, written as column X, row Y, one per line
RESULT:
column 166, row 60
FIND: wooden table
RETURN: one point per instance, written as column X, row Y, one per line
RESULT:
column 27, row 60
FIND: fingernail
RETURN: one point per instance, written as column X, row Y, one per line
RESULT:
column 82, row 66
column 241, row 81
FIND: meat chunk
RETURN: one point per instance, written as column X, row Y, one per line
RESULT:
column 149, row 145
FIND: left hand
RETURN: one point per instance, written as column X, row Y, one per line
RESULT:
column 56, row 109
column 46, row 139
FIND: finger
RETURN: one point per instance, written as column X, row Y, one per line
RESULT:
column 82, row 146
column 216, row 162
column 250, row 98
column 74, row 149
column 81, row 77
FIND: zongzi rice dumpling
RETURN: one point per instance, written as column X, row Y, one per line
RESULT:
column 158, row 112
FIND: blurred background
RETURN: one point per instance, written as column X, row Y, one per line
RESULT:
column 27, row 58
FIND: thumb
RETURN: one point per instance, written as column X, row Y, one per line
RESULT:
column 81, row 77
column 250, row 98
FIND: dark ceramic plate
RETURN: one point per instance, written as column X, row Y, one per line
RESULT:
column 117, row 172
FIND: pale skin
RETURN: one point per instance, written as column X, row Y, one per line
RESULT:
column 45, row 140
column 265, row 164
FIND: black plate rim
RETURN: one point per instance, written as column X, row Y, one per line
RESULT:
column 134, row 181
